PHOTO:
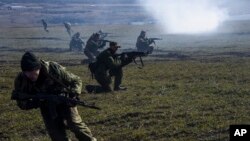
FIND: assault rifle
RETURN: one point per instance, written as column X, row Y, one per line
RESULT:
column 133, row 55
column 105, row 41
column 55, row 99
column 103, row 33
column 152, row 40
column 155, row 39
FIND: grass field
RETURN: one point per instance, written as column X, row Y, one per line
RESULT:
column 191, row 88
column 195, row 98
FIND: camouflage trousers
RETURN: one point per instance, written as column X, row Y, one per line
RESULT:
column 91, row 54
column 105, row 80
column 66, row 118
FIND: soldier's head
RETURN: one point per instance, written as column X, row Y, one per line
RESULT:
column 143, row 33
column 77, row 35
column 30, row 66
column 67, row 24
column 100, row 31
column 113, row 46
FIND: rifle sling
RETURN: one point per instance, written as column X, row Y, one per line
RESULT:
column 58, row 81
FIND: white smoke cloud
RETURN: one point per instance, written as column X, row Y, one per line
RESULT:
column 186, row 16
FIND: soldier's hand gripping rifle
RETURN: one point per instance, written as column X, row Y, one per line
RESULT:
column 127, row 56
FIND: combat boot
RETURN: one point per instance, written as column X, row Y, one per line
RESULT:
column 89, row 88
column 120, row 88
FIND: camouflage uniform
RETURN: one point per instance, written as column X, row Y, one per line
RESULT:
column 92, row 46
column 45, row 84
column 45, row 25
column 67, row 25
column 109, row 65
column 76, row 42
column 143, row 43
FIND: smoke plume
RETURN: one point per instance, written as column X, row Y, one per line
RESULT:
column 186, row 16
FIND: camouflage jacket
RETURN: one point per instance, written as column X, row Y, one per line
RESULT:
column 93, row 46
column 106, row 61
column 76, row 42
column 143, row 42
column 45, row 84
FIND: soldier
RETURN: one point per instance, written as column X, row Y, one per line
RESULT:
column 76, row 42
column 92, row 46
column 45, row 25
column 143, row 43
column 51, row 78
column 103, row 34
column 108, row 65
column 68, row 27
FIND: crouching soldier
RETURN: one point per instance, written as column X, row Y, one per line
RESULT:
column 107, row 65
column 50, row 78
column 143, row 44
column 76, row 42
column 92, row 47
